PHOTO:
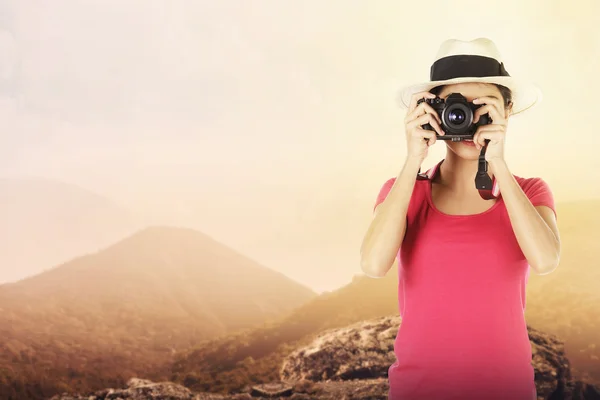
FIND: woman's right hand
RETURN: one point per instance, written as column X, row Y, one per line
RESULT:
column 418, row 140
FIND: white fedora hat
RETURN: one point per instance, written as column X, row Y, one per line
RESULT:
column 476, row 60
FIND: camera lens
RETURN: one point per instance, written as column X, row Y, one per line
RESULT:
column 456, row 116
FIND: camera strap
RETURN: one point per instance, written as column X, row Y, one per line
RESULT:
column 488, row 187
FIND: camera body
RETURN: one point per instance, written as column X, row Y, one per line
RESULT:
column 456, row 114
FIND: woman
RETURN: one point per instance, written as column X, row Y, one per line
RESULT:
column 464, row 259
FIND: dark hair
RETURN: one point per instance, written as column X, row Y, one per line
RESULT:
column 504, row 91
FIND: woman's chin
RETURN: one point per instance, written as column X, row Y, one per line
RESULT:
column 464, row 149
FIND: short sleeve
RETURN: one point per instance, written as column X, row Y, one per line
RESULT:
column 383, row 192
column 539, row 194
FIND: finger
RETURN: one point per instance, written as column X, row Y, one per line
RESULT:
column 491, row 128
column 483, row 131
column 416, row 97
column 424, row 119
column 493, row 134
column 479, row 142
column 490, row 101
column 416, row 112
column 424, row 134
column 422, row 109
column 436, row 125
column 487, row 109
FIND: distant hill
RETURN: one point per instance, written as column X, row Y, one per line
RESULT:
column 351, row 362
column 254, row 355
column 126, row 310
column 565, row 303
column 46, row 222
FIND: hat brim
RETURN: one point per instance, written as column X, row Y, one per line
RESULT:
column 525, row 95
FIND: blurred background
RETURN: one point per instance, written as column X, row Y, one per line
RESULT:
column 172, row 172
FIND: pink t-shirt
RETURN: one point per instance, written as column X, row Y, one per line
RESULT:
column 461, row 296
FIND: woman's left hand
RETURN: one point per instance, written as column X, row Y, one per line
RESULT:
column 495, row 132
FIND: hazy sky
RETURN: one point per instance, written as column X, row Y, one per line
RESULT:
column 271, row 125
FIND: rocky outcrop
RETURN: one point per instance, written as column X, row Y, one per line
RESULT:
column 142, row 389
column 137, row 389
column 351, row 363
column 365, row 350
column 360, row 351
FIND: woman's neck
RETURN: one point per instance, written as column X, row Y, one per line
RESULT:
column 458, row 174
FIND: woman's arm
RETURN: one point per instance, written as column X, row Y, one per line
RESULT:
column 535, row 227
column 386, row 231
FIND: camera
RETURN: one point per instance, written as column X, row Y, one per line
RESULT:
column 456, row 114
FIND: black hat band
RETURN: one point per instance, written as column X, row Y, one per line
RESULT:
column 466, row 66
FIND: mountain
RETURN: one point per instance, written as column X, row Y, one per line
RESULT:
column 229, row 363
column 126, row 310
column 352, row 363
column 564, row 303
column 46, row 222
